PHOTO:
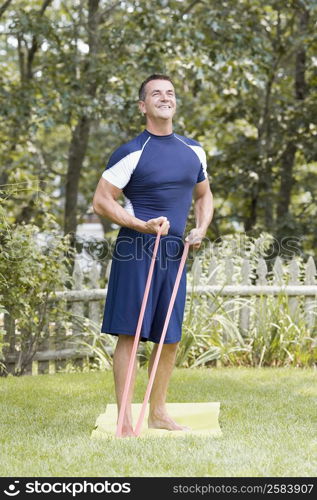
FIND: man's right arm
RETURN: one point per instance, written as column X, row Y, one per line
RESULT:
column 105, row 204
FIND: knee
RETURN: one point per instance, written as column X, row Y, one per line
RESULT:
column 125, row 342
column 171, row 348
column 126, row 338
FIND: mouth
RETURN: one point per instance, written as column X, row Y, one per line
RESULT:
column 164, row 106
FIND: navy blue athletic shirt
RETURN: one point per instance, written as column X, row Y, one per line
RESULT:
column 157, row 174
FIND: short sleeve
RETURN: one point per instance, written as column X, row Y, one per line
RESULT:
column 120, row 167
column 201, row 175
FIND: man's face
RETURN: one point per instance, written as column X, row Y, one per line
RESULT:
column 160, row 100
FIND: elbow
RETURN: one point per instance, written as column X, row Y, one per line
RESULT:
column 96, row 207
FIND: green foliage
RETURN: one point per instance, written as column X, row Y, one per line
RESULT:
column 277, row 336
column 98, row 345
column 214, row 336
column 31, row 270
column 241, row 93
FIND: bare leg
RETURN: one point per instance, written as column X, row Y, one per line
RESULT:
column 121, row 359
column 158, row 416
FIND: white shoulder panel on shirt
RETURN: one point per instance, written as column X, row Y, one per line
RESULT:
column 120, row 173
column 202, row 157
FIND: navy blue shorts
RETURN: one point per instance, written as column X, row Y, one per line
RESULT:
column 129, row 270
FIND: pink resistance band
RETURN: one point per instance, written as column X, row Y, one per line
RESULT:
column 137, row 337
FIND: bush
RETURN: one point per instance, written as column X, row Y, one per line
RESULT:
column 33, row 266
column 277, row 336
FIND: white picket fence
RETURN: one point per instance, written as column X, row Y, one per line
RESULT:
column 298, row 285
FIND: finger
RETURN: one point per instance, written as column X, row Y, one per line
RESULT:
column 161, row 220
column 196, row 242
column 162, row 227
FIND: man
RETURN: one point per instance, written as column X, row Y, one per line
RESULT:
column 156, row 172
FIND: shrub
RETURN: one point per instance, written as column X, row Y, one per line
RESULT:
column 33, row 265
column 276, row 336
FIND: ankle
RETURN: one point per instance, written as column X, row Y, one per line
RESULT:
column 157, row 411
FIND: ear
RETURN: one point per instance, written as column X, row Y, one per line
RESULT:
column 142, row 107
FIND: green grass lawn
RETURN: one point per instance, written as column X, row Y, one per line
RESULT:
column 267, row 416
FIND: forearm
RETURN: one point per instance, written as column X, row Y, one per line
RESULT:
column 204, row 210
column 112, row 210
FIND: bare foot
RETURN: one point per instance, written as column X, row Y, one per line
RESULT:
column 165, row 422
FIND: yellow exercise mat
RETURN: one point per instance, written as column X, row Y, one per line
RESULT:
column 202, row 418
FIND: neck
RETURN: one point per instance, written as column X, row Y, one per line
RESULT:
column 163, row 127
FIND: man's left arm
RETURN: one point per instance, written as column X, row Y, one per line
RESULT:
column 204, row 209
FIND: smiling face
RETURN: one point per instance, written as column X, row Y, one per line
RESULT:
column 160, row 102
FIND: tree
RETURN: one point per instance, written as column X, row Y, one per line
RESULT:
column 245, row 75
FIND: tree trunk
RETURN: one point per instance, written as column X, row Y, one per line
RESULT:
column 251, row 219
column 288, row 157
column 77, row 151
column 106, row 224
column 80, row 136
column 4, row 7
column 286, row 170
column 264, row 188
